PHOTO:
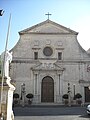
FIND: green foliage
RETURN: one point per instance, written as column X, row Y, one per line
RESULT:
column 15, row 95
column 29, row 95
column 65, row 96
column 78, row 96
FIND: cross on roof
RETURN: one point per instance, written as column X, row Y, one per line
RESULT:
column 48, row 15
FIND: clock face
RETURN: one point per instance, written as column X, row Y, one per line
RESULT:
column 47, row 51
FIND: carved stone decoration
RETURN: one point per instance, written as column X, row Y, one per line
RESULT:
column 48, row 42
column 8, row 59
column 47, row 65
column 59, row 43
column 36, row 43
column 23, row 92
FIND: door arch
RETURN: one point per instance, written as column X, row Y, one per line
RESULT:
column 87, row 94
column 47, row 89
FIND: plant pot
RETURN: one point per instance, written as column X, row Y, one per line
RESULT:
column 79, row 102
column 66, row 101
column 29, row 102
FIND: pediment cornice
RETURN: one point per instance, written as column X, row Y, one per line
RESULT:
column 47, row 66
column 48, row 27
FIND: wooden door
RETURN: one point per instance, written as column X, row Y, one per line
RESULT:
column 87, row 94
column 47, row 89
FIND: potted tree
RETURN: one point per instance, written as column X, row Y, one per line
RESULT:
column 15, row 98
column 65, row 97
column 29, row 96
column 78, row 97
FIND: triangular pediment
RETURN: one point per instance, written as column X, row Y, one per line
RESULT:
column 47, row 66
column 48, row 26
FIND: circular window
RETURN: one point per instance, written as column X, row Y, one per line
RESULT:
column 48, row 51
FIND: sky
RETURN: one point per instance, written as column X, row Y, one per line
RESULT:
column 73, row 14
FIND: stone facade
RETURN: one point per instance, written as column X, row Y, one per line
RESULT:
column 46, row 58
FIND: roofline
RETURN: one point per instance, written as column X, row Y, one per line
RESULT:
column 48, row 33
column 47, row 21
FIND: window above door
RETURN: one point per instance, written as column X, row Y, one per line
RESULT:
column 47, row 51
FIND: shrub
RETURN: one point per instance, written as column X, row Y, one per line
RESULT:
column 78, row 96
column 65, row 96
column 15, row 95
column 29, row 96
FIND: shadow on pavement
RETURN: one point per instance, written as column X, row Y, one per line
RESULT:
column 85, row 116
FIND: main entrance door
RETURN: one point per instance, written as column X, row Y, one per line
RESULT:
column 87, row 94
column 47, row 89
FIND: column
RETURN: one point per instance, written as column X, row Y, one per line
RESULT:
column 59, row 84
column 35, row 84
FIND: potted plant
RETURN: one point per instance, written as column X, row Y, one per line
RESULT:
column 65, row 97
column 15, row 98
column 29, row 96
column 78, row 97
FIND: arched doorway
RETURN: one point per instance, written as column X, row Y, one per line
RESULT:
column 47, row 89
column 87, row 94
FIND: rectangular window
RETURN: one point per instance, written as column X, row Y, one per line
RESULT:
column 59, row 56
column 35, row 55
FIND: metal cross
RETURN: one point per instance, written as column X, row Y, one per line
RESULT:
column 48, row 15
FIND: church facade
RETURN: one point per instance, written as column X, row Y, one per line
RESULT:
column 48, row 60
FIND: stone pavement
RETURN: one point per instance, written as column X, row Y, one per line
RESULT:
column 51, row 113
column 74, row 117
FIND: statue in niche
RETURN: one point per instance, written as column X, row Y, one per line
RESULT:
column 23, row 93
